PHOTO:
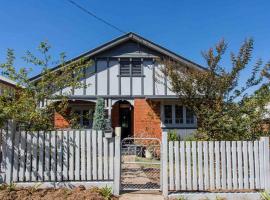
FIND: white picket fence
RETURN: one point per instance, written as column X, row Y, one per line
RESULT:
column 215, row 165
column 61, row 157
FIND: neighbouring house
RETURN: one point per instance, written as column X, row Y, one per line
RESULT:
column 7, row 85
column 124, row 73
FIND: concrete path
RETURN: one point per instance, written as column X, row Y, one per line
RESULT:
column 141, row 196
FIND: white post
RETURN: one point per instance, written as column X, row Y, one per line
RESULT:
column 266, row 162
column 117, row 161
column 165, row 163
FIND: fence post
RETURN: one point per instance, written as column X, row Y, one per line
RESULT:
column 165, row 163
column 266, row 162
column 117, row 161
column 11, row 129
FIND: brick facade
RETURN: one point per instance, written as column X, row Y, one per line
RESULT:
column 60, row 121
column 147, row 118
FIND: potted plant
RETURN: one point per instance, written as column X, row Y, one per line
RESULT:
column 99, row 115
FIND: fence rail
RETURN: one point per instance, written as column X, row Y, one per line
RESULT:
column 58, row 156
column 215, row 165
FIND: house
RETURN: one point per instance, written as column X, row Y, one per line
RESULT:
column 124, row 73
column 7, row 85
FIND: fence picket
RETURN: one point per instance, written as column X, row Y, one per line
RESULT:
column 71, row 145
column 171, row 166
column 245, row 159
column 83, row 157
column 217, row 166
column 28, row 157
column 206, row 165
column 229, row 165
column 47, row 156
column 261, row 161
column 251, row 164
column 105, row 161
column 200, row 166
column 177, row 165
column 111, row 155
column 257, row 165
column 211, row 165
column 223, row 165
column 94, row 145
column 65, row 149
column 41, row 150
column 22, row 147
column 100, row 155
column 34, row 150
column 239, row 165
column 234, row 165
column 183, row 165
column 89, row 153
column 77, row 155
column 53, row 156
column 194, row 165
column 188, row 157
column 16, row 158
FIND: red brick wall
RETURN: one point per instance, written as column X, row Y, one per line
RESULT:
column 115, row 115
column 60, row 121
column 147, row 118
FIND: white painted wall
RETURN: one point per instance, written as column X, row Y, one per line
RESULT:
column 114, row 82
column 148, row 79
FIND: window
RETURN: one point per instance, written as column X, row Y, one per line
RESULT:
column 124, row 68
column 136, row 69
column 179, row 117
column 189, row 116
column 84, row 118
column 168, row 114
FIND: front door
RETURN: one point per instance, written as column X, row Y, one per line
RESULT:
column 125, row 119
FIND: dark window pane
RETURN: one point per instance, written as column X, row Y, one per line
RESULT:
column 179, row 114
column 168, row 114
column 189, row 116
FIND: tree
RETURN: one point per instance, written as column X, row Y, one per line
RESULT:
column 224, row 109
column 99, row 115
column 24, row 106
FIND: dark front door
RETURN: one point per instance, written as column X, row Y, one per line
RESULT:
column 125, row 119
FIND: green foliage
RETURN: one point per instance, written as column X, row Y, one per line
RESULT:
column 265, row 195
column 172, row 135
column 225, row 109
column 11, row 187
column 34, row 188
column 99, row 115
column 24, row 105
column 106, row 192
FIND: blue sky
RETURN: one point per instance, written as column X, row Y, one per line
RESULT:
column 186, row 27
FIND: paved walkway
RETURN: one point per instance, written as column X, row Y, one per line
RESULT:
column 142, row 196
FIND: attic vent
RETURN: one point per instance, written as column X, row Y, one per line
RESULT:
column 134, row 65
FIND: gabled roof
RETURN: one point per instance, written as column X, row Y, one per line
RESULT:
column 7, row 81
column 138, row 39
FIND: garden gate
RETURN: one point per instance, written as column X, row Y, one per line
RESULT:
column 140, row 168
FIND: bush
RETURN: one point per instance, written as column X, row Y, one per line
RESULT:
column 173, row 136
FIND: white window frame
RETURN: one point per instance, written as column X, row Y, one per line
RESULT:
column 174, row 124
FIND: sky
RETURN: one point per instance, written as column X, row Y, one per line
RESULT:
column 186, row 27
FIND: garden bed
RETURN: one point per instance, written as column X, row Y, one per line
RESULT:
column 34, row 193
